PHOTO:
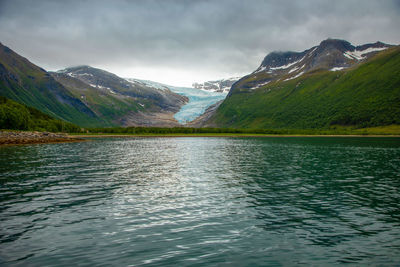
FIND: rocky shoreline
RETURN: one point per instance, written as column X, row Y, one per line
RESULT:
column 16, row 138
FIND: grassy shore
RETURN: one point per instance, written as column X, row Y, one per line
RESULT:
column 217, row 135
column 8, row 137
column 391, row 130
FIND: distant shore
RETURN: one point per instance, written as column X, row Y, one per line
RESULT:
column 222, row 135
column 24, row 137
column 21, row 137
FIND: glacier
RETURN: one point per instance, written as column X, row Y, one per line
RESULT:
column 199, row 100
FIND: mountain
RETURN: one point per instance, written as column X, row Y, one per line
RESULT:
column 330, row 54
column 86, row 96
column 334, row 83
column 121, row 102
column 223, row 85
column 26, row 83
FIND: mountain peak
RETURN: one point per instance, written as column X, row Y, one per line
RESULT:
column 75, row 68
column 339, row 44
column 279, row 58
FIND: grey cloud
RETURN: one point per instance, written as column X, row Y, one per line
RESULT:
column 214, row 37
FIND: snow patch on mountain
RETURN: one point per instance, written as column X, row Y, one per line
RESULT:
column 360, row 54
column 259, row 85
column 294, row 77
column 260, row 69
column 287, row 65
column 294, row 69
column 312, row 51
column 337, row 68
column 223, row 85
column 148, row 83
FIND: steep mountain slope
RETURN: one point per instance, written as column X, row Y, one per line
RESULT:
column 221, row 86
column 27, row 83
column 121, row 102
column 334, row 83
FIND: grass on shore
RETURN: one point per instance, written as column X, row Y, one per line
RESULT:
column 143, row 131
column 380, row 130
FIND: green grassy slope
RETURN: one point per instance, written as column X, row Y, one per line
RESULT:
column 27, row 83
column 366, row 96
column 15, row 116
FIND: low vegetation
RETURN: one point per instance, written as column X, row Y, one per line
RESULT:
column 335, row 130
column 16, row 116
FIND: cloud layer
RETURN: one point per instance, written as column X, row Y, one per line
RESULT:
column 182, row 41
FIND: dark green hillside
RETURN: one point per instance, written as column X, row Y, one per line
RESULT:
column 27, row 83
column 365, row 96
column 15, row 116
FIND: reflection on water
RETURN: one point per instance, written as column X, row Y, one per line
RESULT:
column 201, row 201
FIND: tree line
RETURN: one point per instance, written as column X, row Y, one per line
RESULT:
column 16, row 116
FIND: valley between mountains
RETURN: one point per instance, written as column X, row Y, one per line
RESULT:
column 333, row 84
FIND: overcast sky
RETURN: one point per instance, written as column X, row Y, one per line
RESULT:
column 179, row 42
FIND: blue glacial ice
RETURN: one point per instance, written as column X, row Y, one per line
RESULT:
column 199, row 100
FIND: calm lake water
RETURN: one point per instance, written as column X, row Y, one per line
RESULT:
column 201, row 202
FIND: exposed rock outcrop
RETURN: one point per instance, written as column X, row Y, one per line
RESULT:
column 15, row 138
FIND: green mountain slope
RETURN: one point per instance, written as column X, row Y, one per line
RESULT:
column 27, row 83
column 365, row 95
column 17, row 116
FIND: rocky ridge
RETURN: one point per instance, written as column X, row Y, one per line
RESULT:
column 223, row 85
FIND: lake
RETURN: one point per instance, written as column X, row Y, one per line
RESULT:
column 201, row 202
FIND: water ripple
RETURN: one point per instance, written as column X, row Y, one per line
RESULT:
column 201, row 201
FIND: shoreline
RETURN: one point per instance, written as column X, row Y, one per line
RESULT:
column 10, row 138
column 222, row 135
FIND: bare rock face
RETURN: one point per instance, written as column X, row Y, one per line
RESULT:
column 154, row 119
